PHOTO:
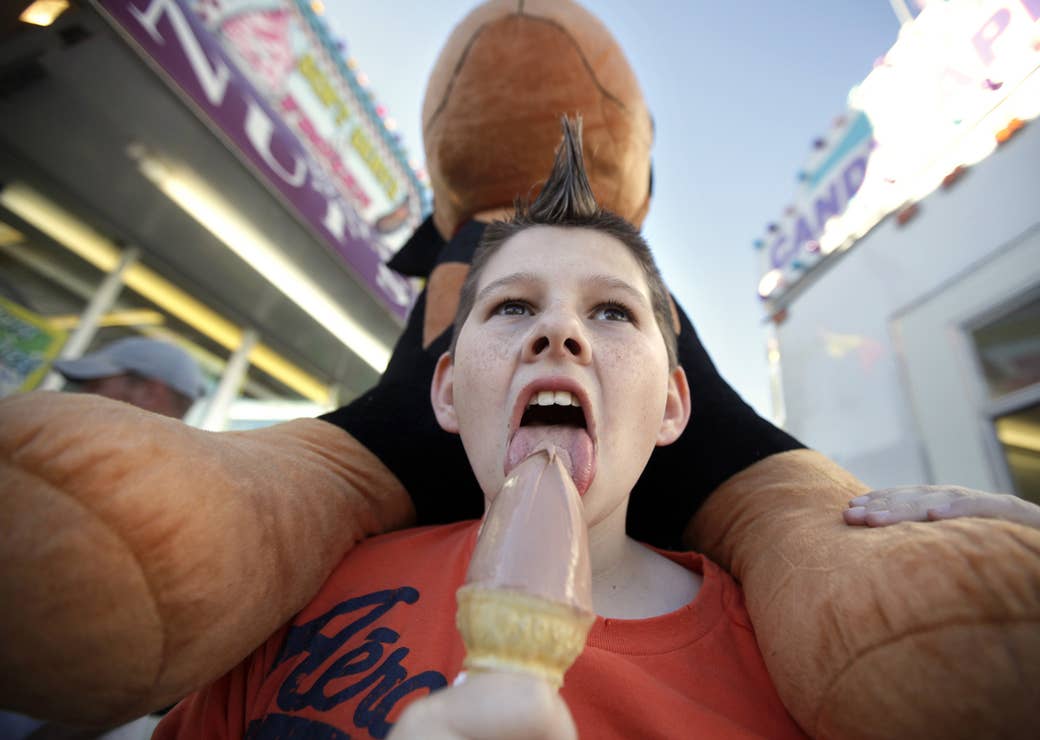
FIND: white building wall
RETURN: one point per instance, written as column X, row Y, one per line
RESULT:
column 845, row 387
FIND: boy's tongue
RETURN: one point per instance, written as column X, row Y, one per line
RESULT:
column 573, row 445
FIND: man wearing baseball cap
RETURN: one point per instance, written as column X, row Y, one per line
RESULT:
column 152, row 375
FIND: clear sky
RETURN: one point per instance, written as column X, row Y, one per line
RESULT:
column 738, row 91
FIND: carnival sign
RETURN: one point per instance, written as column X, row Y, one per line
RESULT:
column 960, row 76
column 261, row 74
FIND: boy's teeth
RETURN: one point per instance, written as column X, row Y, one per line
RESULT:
column 549, row 398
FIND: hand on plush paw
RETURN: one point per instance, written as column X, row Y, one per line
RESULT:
column 930, row 503
column 499, row 706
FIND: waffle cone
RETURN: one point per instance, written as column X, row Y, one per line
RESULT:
column 513, row 631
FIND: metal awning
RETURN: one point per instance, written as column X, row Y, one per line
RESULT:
column 74, row 99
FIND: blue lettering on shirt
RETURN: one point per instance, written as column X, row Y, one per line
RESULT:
column 373, row 669
column 287, row 727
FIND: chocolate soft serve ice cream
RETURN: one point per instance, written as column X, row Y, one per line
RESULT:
column 527, row 601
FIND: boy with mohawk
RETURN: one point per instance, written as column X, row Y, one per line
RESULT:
column 565, row 299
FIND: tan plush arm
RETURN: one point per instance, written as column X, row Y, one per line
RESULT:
column 918, row 630
column 141, row 558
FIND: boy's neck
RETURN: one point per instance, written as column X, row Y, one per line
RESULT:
column 631, row 581
column 609, row 545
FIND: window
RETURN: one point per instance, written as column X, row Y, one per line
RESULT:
column 1006, row 346
column 1008, row 349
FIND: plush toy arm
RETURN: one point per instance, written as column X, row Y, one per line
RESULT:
column 142, row 558
column 916, row 630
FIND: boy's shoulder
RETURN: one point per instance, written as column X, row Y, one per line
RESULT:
column 430, row 562
column 431, row 535
column 725, row 590
column 410, row 551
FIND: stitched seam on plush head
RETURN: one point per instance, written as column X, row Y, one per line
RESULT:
column 480, row 30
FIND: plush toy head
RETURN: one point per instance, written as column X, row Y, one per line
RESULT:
column 491, row 115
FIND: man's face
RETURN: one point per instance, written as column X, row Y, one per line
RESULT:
column 562, row 317
column 144, row 393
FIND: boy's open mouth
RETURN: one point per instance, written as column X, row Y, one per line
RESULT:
column 555, row 417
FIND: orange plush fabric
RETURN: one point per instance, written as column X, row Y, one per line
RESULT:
column 918, row 630
column 141, row 558
column 489, row 139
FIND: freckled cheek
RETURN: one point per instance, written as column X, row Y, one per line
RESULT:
column 485, row 367
column 482, row 383
column 627, row 356
column 488, row 347
column 636, row 385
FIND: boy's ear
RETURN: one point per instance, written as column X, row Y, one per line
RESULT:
column 676, row 409
column 442, row 394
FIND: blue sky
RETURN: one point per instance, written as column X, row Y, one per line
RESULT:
column 738, row 91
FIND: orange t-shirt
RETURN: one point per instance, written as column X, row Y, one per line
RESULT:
column 381, row 633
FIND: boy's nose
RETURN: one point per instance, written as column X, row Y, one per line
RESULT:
column 557, row 335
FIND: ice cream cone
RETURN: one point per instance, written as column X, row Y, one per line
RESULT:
column 526, row 605
column 513, row 631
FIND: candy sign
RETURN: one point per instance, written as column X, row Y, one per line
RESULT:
column 961, row 78
column 829, row 185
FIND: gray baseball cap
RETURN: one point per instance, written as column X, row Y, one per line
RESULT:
column 149, row 358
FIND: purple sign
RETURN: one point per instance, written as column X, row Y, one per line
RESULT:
column 829, row 200
column 168, row 32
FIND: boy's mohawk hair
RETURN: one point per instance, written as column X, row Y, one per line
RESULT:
column 567, row 194
column 566, row 199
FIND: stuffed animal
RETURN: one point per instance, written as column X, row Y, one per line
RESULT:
column 141, row 558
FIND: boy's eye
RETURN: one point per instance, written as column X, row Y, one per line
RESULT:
column 511, row 307
column 612, row 312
